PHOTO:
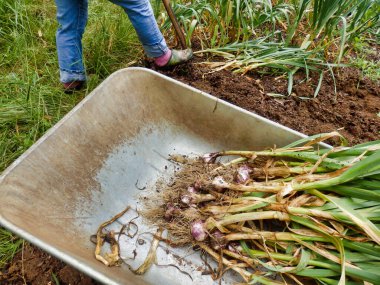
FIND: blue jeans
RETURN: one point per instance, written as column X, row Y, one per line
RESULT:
column 72, row 19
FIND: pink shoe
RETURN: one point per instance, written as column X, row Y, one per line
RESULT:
column 174, row 57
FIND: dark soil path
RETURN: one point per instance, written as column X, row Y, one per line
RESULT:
column 355, row 107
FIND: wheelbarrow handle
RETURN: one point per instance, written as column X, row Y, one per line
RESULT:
column 177, row 28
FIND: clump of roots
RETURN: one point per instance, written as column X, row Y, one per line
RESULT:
column 189, row 195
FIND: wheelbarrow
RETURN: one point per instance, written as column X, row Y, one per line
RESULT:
column 108, row 153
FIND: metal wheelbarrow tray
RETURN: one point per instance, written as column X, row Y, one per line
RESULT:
column 91, row 165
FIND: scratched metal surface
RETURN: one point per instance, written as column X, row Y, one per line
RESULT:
column 86, row 168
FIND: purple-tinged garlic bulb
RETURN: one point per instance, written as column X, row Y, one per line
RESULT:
column 187, row 199
column 192, row 189
column 217, row 240
column 242, row 174
column 198, row 230
column 210, row 157
column 219, row 183
column 171, row 211
column 198, row 185
column 234, row 247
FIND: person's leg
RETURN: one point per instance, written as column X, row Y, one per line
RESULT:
column 140, row 13
column 72, row 19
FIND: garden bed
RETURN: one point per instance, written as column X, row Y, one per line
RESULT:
column 354, row 107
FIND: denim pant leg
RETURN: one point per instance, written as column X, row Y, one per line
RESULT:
column 140, row 13
column 72, row 19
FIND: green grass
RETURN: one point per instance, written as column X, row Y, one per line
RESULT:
column 365, row 57
column 31, row 98
column 9, row 245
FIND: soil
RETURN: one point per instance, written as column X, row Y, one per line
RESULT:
column 355, row 107
column 31, row 266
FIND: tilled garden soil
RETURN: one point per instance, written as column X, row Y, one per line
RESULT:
column 355, row 107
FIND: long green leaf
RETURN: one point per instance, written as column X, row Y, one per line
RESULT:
column 368, row 227
column 354, row 192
